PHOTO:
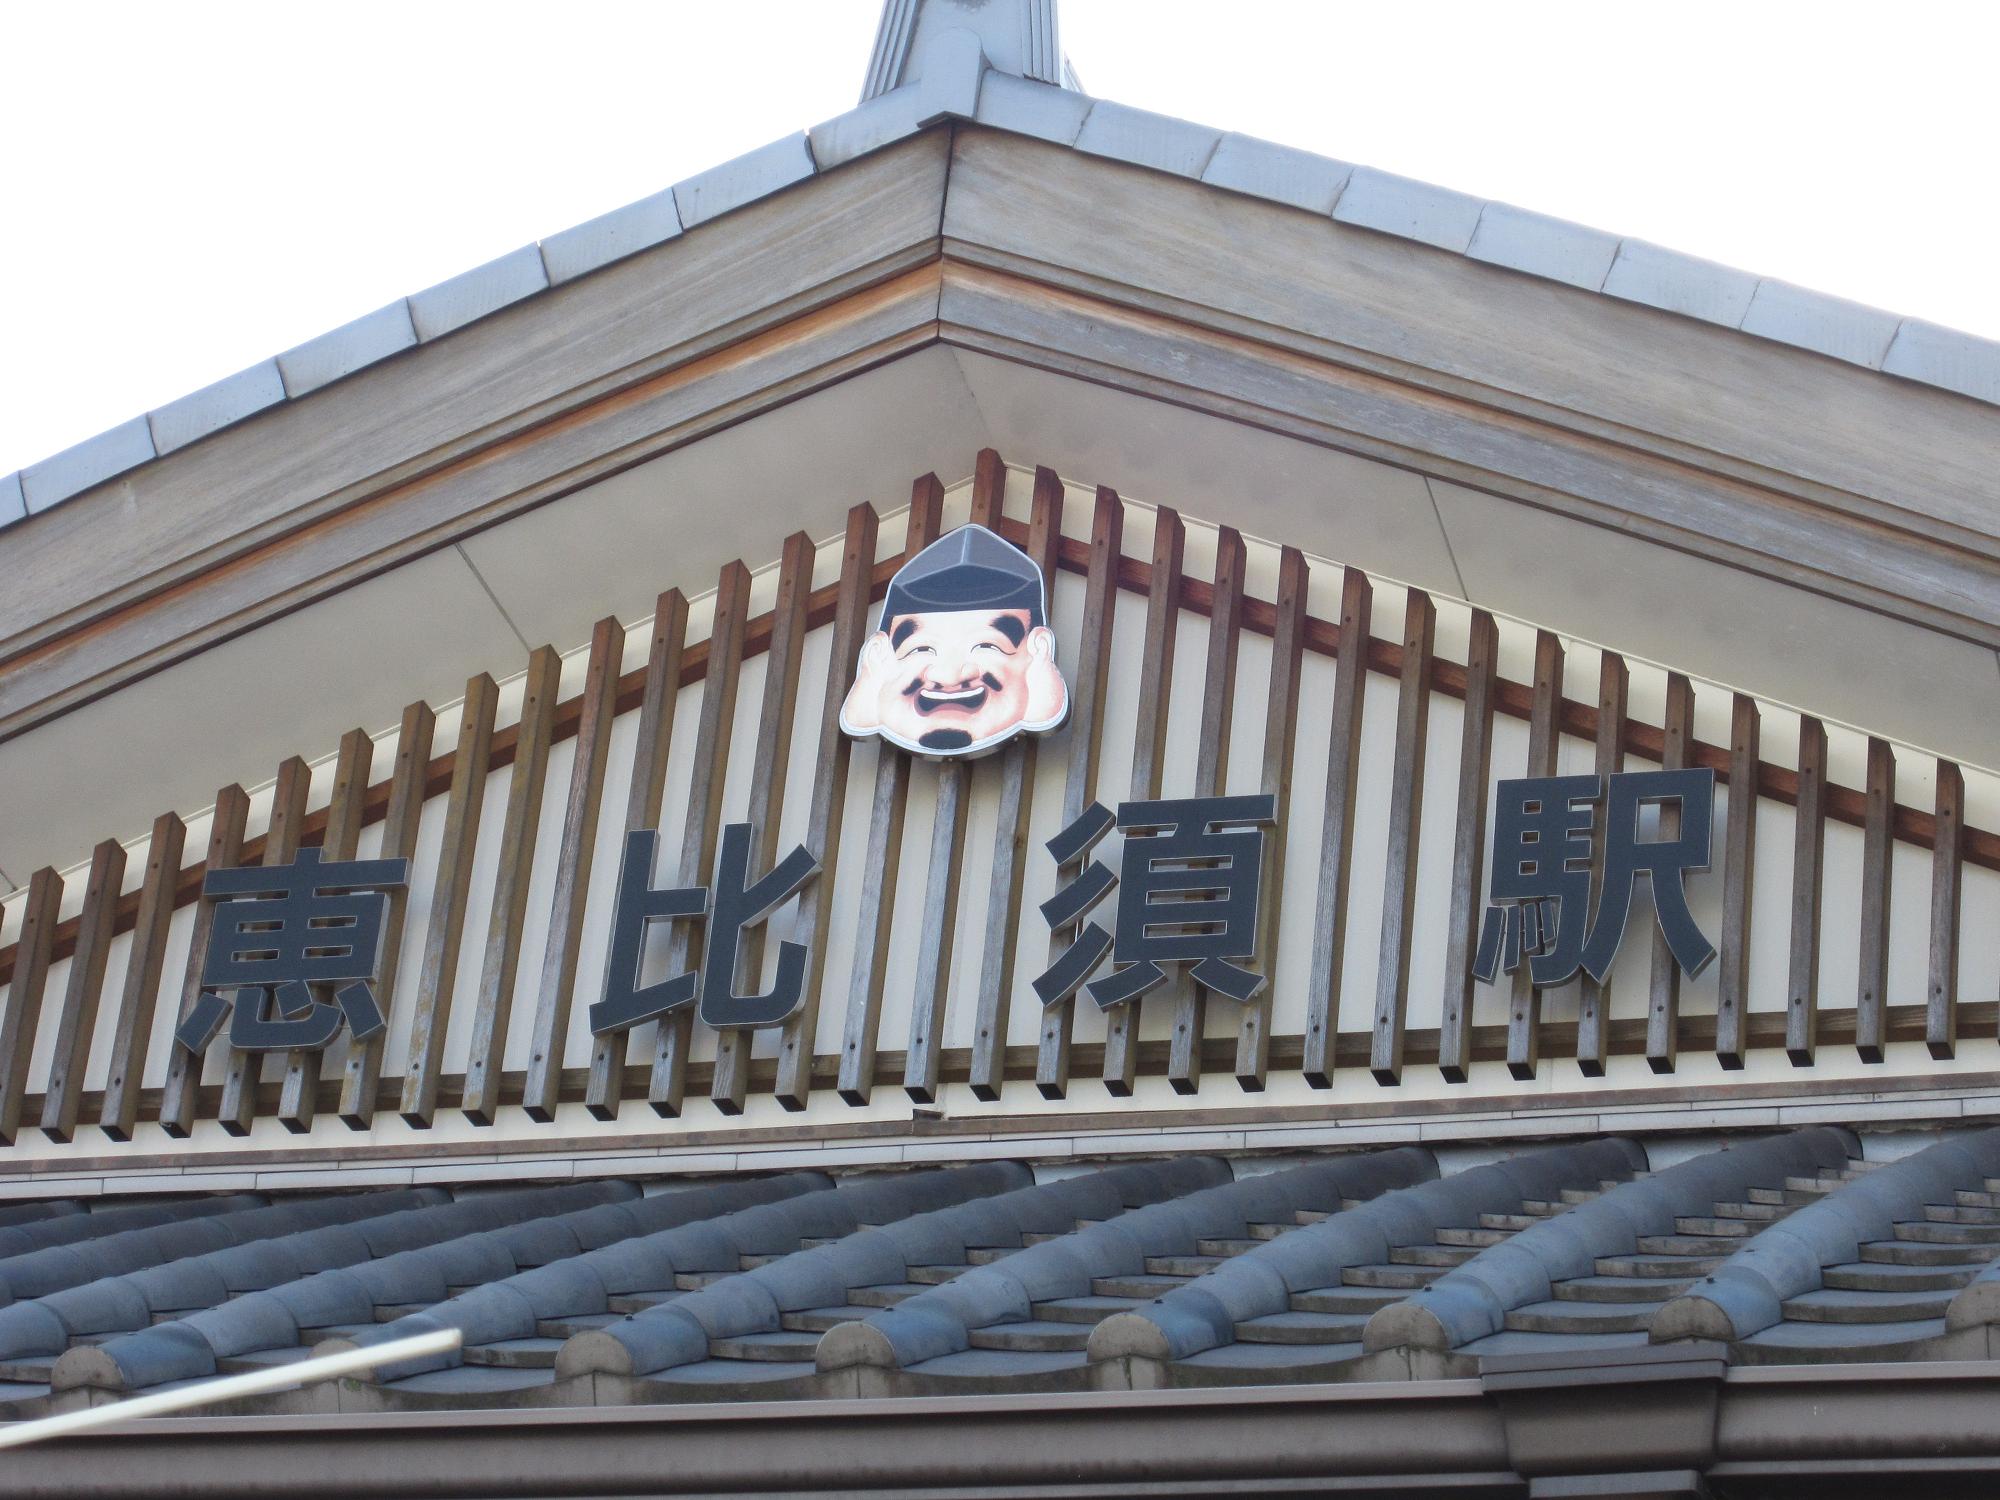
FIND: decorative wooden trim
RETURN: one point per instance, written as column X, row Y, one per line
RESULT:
column 36, row 941
column 793, row 1079
column 772, row 760
column 1406, row 809
column 1281, row 723
column 1010, row 832
column 1211, row 774
column 450, row 892
column 884, row 856
column 667, row 1087
column 642, row 808
column 244, row 1071
column 1871, row 998
column 1336, row 844
column 1524, row 1018
column 77, row 1024
column 1663, row 998
column 1739, row 855
column 132, row 1031
column 298, row 1095
column 1614, row 683
column 180, row 1095
column 1087, row 739
column 1941, row 1006
column 550, row 1035
column 499, row 969
column 1149, row 757
column 1475, row 758
column 1808, row 866
column 362, row 1075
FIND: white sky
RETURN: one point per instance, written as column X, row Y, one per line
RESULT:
column 186, row 189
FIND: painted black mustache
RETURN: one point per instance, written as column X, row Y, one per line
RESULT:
column 919, row 690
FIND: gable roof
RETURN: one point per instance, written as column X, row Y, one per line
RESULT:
column 995, row 66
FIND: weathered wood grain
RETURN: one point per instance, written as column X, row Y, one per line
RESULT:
column 1524, row 1016
column 494, row 1007
column 549, row 1036
column 35, row 941
column 430, row 1017
column 1014, row 803
column 1808, row 867
column 181, row 1093
column 1593, row 1012
column 1336, row 846
column 1406, row 810
column 714, row 730
column 1468, row 863
column 1149, row 757
column 1941, row 1004
column 361, row 1077
column 1871, row 999
column 937, row 929
column 245, row 1070
column 825, row 815
column 884, row 857
column 1663, row 996
column 132, row 1030
column 1739, row 860
column 1281, row 725
column 773, row 757
column 659, row 697
column 62, row 1098
column 298, row 1094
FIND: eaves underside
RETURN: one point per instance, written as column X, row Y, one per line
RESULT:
column 1795, row 467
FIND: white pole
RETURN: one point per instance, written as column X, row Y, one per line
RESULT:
column 251, row 1383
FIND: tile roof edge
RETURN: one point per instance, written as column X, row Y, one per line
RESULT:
column 1547, row 248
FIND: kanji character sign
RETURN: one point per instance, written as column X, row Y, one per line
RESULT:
column 281, row 930
column 1541, row 882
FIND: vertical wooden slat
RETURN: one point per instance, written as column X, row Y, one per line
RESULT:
column 668, row 1085
column 1149, row 756
column 33, row 947
column 178, row 1100
column 298, row 1095
column 1524, row 1017
column 771, row 761
column 1406, row 809
column 281, row 846
column 1281, row 723
column 361, row 1078
column 1010, row 834
column 1343, row 760
column 1947, row 853
column 76, row 1025
column 1732, row 996
column 1593, row 1015
column 495, row 1005
column 1087, row 735
column 884, row 856
column 431, row 1016
column 133, row 1030
column 937, row 932
column 543, row 1085
column 1468, row 864
column 1663, row 999
column 1878, row 849
column 825, row 815
column 606, row 1088
column 1211, row 775
column 1808, row 861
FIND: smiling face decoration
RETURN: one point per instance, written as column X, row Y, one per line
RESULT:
column 962, row 659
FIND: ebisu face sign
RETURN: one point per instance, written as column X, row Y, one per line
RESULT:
column 962, row 661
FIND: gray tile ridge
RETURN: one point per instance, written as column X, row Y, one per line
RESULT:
column 959, row 84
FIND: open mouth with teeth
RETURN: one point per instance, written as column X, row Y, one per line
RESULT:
column 962, row 700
